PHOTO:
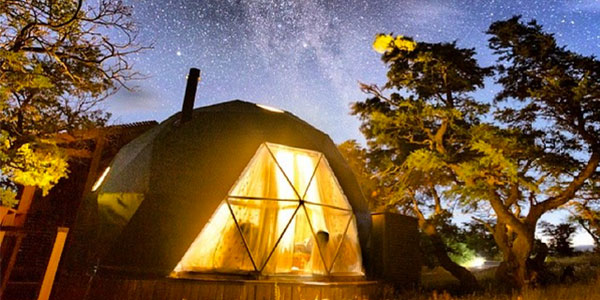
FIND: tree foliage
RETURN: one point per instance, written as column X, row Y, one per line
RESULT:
column 58, row 59
column 358, row 160
column 434, row 145
column 561, row 237
column 417, row 127
column 586, row 213
column 477, row 237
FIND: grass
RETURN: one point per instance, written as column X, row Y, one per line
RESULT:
column 439, row 285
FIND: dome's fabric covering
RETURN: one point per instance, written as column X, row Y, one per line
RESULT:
column 164, row 186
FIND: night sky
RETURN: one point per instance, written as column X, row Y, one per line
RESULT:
column 307, row 56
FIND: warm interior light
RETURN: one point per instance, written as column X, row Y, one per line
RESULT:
column 264, row 226
column 100, row 179
column 269, row 108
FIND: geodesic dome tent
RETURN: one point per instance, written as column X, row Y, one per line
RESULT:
column 239, row 189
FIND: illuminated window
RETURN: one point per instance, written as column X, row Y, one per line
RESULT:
column 286, row 215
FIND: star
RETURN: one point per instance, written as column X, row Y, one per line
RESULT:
column 306, row 56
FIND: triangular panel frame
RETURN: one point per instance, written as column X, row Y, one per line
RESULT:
column 309, row 169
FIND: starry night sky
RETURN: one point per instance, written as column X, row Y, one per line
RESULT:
column 307, row 56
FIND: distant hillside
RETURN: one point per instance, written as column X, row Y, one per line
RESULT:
column 584, row 248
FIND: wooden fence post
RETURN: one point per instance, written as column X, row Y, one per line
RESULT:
column 3, row 212
column 57, row 250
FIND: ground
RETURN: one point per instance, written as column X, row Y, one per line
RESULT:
column 438, row 284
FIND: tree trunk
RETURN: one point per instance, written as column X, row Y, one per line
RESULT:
column 467, row 280
column 513, row 268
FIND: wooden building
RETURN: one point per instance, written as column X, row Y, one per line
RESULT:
column 29, row 231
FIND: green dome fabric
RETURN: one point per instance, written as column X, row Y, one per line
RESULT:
column 163, row 187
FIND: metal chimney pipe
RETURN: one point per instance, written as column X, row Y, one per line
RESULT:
column 190, row 95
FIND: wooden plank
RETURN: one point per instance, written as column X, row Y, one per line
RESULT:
column 265, row 291
column 147, row 289
column 284, row 291
column 232, row 291
column 219, row 291
column 11, row 264
column 182, row 289
column 79, row 153
column 303, row 292
column 24, row 205
column 3, row 213
column 160, row 290
column 50, row 274
column 209, row 290
column 132, row 289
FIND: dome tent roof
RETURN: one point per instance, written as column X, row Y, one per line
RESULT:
column 171, row 179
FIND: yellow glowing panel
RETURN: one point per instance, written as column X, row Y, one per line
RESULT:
column 262, row 178
column 349, row 259
column 263, row 226
column 298, row 166
column 329, row 225
column 297, row 253
column 261, row 222
column 219, row 247
column 325, row 189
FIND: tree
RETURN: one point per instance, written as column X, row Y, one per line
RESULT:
column 541, row 152
column 587, row 214
column 477, row 237
column 417, row 132
column 357, row 158
column 57, row 61
column 552, row 96
column 561, row 237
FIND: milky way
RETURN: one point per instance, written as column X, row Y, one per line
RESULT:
column 307, row 56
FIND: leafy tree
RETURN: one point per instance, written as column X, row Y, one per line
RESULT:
column 57, row 61
column 432, row 147
column 550, row 95
column 454, row 240
column 357, row 158
column 587, row 214
column 480, row 238
column 561, row 237
column 417, row 127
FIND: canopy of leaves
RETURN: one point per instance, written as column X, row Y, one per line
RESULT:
column 551, row 95
column 357, row 158
column 57, row 61
column 417, row 126
column 561, row 237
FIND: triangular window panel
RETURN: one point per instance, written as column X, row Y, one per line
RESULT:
column 262, row 178
column 330, row 226
column 262, row 222
column 298, row 166
column 324, row 188
column 286, row 215
column 297, row 252
column 219, row 248
column 348, row 259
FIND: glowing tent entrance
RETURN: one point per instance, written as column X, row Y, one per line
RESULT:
column 286, row 215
